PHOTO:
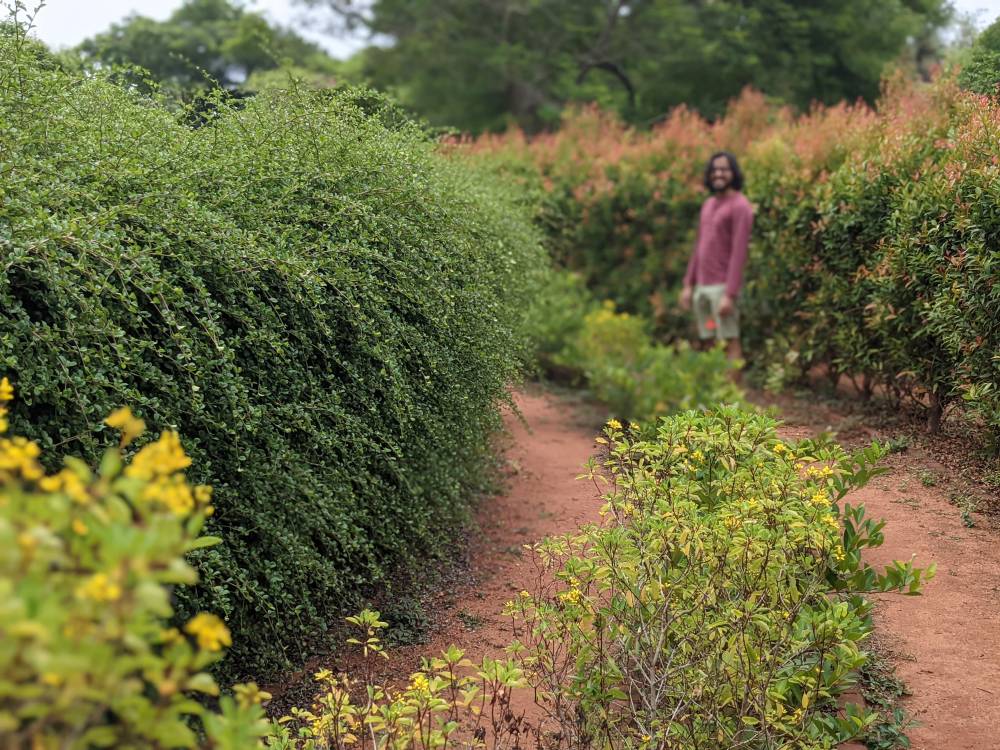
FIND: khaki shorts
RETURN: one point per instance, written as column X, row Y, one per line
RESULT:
column 711, row 325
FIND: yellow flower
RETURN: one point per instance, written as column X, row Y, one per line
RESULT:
column 171, row 492
column 838, row 554
column 614, row 424
column 820, row 500
column 17, row 457
column 832, row 522
column 51, row 679
column 826, row 471
column 6, row 390
column 27, row 542
column 203, row 494
column 159, row 459
column 210, row 632
column 130, row 425
column 323, row 675
column 732, row 522
column 418, row 681
column 99, row 588
column 628, row 509
column 70, row 483
column 525, row 595
column 779, row 448
column 80, row 527
column 250, row 695
column 570, row 597
column 697, row 455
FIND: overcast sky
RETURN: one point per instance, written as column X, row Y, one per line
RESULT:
column 64, row 23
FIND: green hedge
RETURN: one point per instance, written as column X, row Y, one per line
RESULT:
column 886, row 263
column 325, row 306
column 875, row 234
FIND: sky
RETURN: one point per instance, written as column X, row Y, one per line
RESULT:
column 64, row 23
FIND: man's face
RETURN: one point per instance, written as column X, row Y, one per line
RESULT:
column 721, row 174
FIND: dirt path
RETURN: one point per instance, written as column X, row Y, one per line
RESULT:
column 946, row 642
column 544, row 451
column 543, row 454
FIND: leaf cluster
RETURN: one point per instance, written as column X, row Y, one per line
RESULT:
column 87, row 563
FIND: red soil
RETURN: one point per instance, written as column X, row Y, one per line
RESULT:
column 545, row 452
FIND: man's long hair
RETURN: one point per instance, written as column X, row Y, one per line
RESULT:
column 737, row 183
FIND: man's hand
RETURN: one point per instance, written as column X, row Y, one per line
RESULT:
column 685, row 300
column 726, row 306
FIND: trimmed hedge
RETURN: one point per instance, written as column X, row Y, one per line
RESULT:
column 325, row 306
column 875, row 232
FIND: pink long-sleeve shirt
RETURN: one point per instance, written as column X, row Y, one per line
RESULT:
column 723, row 237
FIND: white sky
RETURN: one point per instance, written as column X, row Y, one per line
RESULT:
column 64, row 23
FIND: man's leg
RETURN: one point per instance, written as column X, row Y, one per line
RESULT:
column 734, row 350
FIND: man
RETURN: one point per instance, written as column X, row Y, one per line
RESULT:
column 715, row 272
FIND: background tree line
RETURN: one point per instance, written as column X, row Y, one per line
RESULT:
column 484, row 64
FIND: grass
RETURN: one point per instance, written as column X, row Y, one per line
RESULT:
column 898, row 444
column 471, row 621
column 967, row 505
column 882, row 690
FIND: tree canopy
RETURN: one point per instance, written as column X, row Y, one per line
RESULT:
column 213, row 37
column 981, row 66
column 477, row 64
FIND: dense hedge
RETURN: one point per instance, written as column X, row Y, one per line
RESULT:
column 326, row 307
column 875, row 250
column 883, row 254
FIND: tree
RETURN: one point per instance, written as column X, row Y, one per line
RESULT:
column 981, row 68
column 212, row 37
column 477, row 63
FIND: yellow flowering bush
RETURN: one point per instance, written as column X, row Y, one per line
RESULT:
column 719, row 604
column 87, row 562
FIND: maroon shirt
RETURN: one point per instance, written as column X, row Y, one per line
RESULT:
column 721, row 250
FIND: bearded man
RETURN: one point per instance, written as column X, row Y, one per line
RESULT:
column 715, row 271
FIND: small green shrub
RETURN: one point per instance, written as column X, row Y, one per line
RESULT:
column 639, row 379
column 981, row 69
column 449, row 702
column 720, row 603
column 556, row 316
